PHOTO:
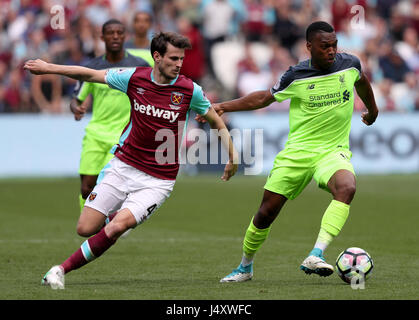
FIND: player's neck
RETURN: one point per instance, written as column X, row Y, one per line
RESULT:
column 316, row 65
column 114, row 57
column 160, row 78
column 141, row 42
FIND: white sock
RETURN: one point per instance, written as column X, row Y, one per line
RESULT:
column 321, row 245
column 246, row 261
column 323, row 240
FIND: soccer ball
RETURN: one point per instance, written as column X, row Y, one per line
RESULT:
column 354, row 265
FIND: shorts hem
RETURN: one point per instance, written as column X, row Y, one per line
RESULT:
column 97, row 209
column 85, row 173
column 330, row 175
column 274, row 190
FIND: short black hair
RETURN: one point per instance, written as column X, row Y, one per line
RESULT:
column 318, row 26
column 161, row 39
column 148, row 13
column 109, row 22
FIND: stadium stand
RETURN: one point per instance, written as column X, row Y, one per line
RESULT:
column 383, row 33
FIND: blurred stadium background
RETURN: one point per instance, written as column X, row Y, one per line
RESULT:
column 238, row 47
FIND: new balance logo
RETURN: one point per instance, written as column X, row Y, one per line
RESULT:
column 156, row 112
column 346, row 94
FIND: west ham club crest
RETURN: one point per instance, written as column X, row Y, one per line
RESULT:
column 176, row 98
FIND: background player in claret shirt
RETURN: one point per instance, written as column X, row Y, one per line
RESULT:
column 110, row 110
column 322, row 101
column 136, row 182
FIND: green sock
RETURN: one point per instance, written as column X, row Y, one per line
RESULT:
column 253, row 240
column 82, row 201
column 332, row 223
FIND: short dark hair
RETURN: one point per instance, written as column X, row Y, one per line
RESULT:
column 109, row 22
column 160, row 40
column 316, row 27
column 148, row 13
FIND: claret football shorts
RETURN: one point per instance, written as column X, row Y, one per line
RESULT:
column 294, row 169
column 121, row 186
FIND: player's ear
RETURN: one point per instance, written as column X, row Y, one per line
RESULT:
column 309, row 46
column 156, row 56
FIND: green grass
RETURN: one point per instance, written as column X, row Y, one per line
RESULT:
column 195, row 238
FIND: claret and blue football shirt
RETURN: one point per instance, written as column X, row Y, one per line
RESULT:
column 155, row 108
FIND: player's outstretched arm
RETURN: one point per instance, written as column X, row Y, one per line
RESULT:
column 39, row 66
column 364, row 90
column 216, row 122
column 253, row 101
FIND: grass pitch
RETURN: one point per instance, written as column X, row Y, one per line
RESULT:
column 195, row 238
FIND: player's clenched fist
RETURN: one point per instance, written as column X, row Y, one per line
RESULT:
column 37, row 66
column 229, row 171
column 369, row 117
column 217, row 108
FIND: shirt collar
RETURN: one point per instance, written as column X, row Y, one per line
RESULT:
column 162, row 84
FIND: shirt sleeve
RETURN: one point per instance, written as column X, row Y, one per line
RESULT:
column 357, row 64
column 118, row 78
column 283, row 89
column 199, row 101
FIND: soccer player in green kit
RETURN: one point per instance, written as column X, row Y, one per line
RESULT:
column 322, row 99
column 110, row 111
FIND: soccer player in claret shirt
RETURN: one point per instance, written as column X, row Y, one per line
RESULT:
column 322, row 100
column 110, row 109
column 137, row 180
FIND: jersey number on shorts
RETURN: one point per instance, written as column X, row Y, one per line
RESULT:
column 150, row 209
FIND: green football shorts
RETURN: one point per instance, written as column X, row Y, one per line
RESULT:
column 94, row 155
column 294, row 169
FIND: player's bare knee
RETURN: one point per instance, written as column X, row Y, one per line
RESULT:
column 117, row 227
column 84, row 230
column 265, row 216
column 345, row 192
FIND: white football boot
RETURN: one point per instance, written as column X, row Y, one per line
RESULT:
column 317, row 265
column 240, row 274
column 54, row 278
